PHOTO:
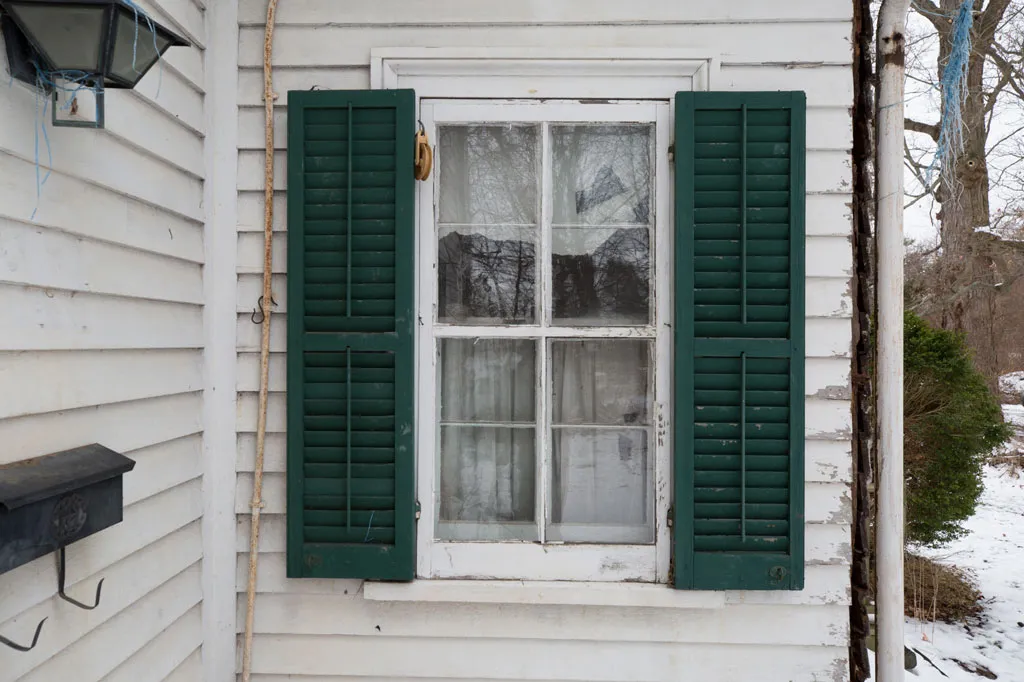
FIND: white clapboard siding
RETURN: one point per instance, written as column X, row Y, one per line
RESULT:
column 50, row 319
column 325, row 630
column 317, row 614
column 86, row 378
column 165, row 653
column 101, row 278
column 393, row 658
column 30, row 252
column 190, row 670
column 491, row 12
column 103, row 215
column 298, row 46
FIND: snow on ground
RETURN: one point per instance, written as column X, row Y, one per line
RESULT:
column 1012, row 383
column 993, row 552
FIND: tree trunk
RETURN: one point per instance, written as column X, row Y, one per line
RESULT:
column 968, row 276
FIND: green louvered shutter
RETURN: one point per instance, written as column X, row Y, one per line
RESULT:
column 351, row 502
column 739, row 346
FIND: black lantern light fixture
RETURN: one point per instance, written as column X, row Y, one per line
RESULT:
column 97, row 44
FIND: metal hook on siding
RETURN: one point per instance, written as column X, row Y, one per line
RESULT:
column 61, row 574
column 260, row 311
column 30, row 647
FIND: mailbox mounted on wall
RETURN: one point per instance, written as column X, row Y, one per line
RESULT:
column 49, row 502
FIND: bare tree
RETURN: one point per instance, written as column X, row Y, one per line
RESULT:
column 973, row 261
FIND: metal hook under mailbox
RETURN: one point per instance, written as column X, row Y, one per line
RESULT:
column 30, row 647
column 61, row 574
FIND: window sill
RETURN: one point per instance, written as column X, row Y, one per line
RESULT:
column 529, row 592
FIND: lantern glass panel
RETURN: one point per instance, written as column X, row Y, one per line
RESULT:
column 135, row 50
column 69, row 37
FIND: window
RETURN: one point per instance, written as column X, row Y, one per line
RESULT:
column 482, row 367
column 547, row 221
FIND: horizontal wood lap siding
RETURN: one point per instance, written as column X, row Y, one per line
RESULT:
column 317, row 630
column 350, row 334
column 740, row 351
column 101, row 271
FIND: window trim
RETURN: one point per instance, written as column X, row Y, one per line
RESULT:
column 532, row 561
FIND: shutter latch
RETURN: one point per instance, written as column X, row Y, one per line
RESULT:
column 672, row 153
column 671, row 515
column 419, row 510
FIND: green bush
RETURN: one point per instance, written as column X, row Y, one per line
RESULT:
column 952, row 421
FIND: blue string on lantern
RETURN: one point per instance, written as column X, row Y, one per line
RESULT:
column 73, row 82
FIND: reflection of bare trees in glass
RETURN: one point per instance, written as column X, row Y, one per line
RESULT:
column 488, row 210
column 480, row 277
column 602, row 184
column 612, row 283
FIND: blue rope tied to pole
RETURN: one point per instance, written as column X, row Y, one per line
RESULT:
column 954, row 94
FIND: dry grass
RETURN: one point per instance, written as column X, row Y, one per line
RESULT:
column 936, row 592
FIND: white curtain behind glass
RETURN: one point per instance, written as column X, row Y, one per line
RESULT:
column 601, row 473
column 488, row 437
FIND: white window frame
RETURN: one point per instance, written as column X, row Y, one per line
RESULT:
column 532, row 560
column 526, row 73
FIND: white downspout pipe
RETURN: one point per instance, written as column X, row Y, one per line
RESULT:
column 892, row 22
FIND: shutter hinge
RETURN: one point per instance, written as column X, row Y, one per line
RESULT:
column 671, row 516
column 419, row 510
column 672, row 153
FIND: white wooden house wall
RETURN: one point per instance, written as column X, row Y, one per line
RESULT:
column 325, row 629
column 101, row 340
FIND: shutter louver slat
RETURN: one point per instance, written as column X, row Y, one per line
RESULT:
column 350, row 452
column 739, row 341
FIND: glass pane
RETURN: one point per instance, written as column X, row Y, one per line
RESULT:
column 601, row 276
column 486, row 275
column 136, row 49
column 488, row 175
column 487, row 469
column 600, row 382
column 488, row 380
column 487, row 482
column 601, row 174
column 602, row 486
column 69, row 36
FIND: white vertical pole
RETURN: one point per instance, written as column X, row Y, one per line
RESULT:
column 892, row 22
column 220, row 321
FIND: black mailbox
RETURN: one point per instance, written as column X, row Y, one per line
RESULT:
column 51, row 501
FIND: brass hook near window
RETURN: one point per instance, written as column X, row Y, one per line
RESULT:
column 30, row 647
column 423, row 154
column 60, row 587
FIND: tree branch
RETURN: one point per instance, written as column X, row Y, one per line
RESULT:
column 929, row 129
column 930, row 11
column 1007, row 69
column 990, row 19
